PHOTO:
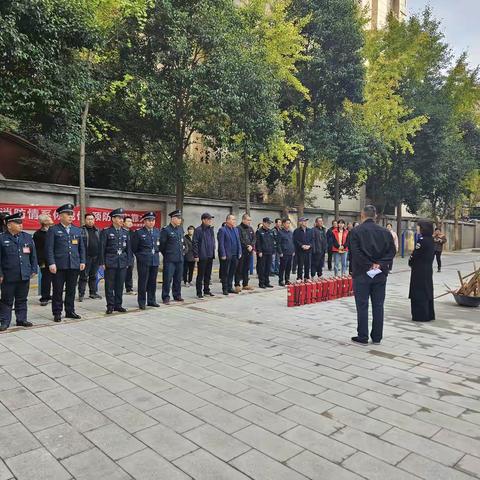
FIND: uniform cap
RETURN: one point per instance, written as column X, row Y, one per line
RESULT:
column 207, row 216
column 14, row 217
column 303, row 219
column 119, row 212
column 149, row 216
column 267, row 220
column 175, row 213
column 67, row 208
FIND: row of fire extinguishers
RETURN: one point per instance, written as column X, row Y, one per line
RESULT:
column 319, row 290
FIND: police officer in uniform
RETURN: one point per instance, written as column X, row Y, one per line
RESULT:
column 266, row 246
column 171, row 246
column 115, row 257
column 146, row 247
column 66, row 257
column 18, row 263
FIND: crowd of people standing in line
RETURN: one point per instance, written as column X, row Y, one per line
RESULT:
column 69, row 257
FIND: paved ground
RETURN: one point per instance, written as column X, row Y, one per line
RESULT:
column 244, row 387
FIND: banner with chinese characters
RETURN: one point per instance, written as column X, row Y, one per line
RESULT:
column 102, row 220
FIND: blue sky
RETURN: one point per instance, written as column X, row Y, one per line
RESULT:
column 460, row 21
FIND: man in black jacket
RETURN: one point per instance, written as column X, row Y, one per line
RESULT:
column 40, row 238
column 330, row 244
column 319, row 247
column 373, row 250
column 266, row 246
column 203, row 247
column 247, row 240
column 91, row 239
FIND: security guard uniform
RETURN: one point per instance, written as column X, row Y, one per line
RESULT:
column 66, row 250
column 266, row 245
column 146, row 247
column 171, row 246
column 18, row 262
column 115, row 255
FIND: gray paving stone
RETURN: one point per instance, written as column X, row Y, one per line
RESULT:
column 222, row 399
column 312, row 420
column 260, row 467
column 317, row 468
column 458, row 441
column 90, row 369
column 21, row 369
column 260, row 383
column 220, row 418
column 37, row 464
column 141, row 399
column 113, row 383
column 166, row 442
column 6, row 418
column 389, row 402
column 129, row 418
column 360, row 422
column 63, row 441
column 15, row 439
column 94, row 465
column 148, row 465
column 322, row 445
column 300, row 385
column 433, row 450
column 114, row 441
column 76, row 383
column 430, row 470
column 59, row 398
column 225, row 383
column 7, row 382
column 306, row 401
column 431, row 403
column 268, row 443
column 374, row 469
column 441, row 420
column 264, row 400
column 347, row 401
column 470, row 465
column 18, row 398
column 55, row 370
column 5, row 473
column 372, row 445
column 38, row 417
column 218, row 443
column 100, row 399
column 201, row 465
column 151, row 383
column 175, row 418
column 188, row 383
column 83, row 417
column 265, row 419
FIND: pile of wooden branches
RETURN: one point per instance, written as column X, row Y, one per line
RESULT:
column 470, row 284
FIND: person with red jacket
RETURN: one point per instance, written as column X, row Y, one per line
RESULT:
column 339, row 249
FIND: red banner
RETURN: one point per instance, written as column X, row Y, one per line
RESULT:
column 102, row 219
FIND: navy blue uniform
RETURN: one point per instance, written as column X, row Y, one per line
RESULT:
column 116, row 256
column 66, row 250
column 18, row 262
column 287, row 249
column 171, row 246
column 146, row 247
column 266, row 245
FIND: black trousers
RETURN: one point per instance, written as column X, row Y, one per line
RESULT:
column 45, row 285
column 243, row 269
column 188, row 268
column 303, row 264
column 172, row 277
column 264, row 265
column 147, row 284
column 14, row 293
column 229, row 267
column 68, row 279
column 88, row 275
column 204, row 275
column 365, row 289
column 438, row 256
column 114, row 282
column 329, row 259
column 285, row 268
column 318, row 262
column 422, row 310
column 129, row 279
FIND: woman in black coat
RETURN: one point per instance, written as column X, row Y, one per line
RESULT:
column 421, row 279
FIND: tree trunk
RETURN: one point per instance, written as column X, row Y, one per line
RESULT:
column 180, row 179
column 336, row 196
column 83, row 136
column 399, row 220
column 246, row 166
column 456, row 229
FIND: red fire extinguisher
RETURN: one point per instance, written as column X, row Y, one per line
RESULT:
column 350, row 285
column 296, row 294
column 290, row 296
column 325, row 290
column 301, row 294
column 331, row 290
column 339, row 287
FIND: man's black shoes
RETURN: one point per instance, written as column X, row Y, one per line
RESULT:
column 142, row 307
column 199, row 295
column 74, row 315
column 109, row 311
column 359, row 341
column 281, row 284
column 120, row 309
column 57, row 318
column 25, row 324
column 95, row 296
column 153, row 304
column 209, row 294
column 3, row 328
